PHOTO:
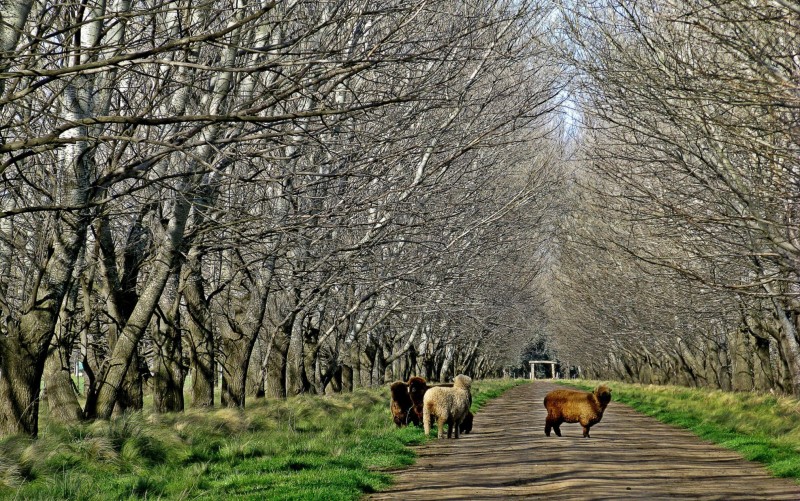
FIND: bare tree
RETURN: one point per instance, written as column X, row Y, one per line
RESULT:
column 686, row 112
column 349, row 186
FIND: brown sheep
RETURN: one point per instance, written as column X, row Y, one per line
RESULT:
column 401, row 405
column 573, row 406
column 447, row 405
column 416, row 390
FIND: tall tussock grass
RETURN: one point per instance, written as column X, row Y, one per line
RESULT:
column 305, row 447
column 761, row 427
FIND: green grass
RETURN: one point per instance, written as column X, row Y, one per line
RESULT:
column 484, row 391
column 307, row 447
column 761, row 427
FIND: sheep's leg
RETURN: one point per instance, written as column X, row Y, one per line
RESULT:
column 440, row 423
column 457, row 424
column 586, row 425
column 426, row 422
column 552, row 423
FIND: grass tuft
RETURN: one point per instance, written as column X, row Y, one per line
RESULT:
column 11, row 476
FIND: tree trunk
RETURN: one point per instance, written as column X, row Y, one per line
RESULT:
column 763, row 375
column 61, row 397
column 354, row 354
column 245, row 306
column 646, row 373
column 410, row 362
column 427, row 357
column 399, row 365
column 366, row 358
column 789, row 348
column 27, row 338
column 20, row 378
column 724, row 369
column 236, row 346
column 390, row 368
column 296, row 379
column 112, row 373
column 311, row 362
column 276, row 362
column 168, row 378
column 25, row 346
column 201, row 335
column 690, row 367
column 238, row 337
column 62, row 401
column 347, row 378
column 329, row 368
column 336, row 380
column 168, row 369
column 449, row 353
column 130, row 396
column 234, row 364
column 258, row 366
column 620, row 368
column 90, row 358
column 378, row 367
column 741, row 360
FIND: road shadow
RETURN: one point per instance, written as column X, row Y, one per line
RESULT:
column 629, row 456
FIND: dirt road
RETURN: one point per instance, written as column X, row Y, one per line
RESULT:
column 629, row 455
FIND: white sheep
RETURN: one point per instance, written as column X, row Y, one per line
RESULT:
column 447, row 405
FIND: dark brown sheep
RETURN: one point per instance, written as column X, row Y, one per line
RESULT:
column 401, row 405
column 416, row 390
column 573, row 406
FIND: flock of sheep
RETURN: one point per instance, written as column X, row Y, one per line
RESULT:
column 416, row 402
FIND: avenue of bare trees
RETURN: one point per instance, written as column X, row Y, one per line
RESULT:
column 238, row 199
column 250, row 198
column 678, row 261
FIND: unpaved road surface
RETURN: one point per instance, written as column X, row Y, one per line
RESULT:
column 629, row 455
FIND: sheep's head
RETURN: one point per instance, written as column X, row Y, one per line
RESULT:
column 603, row 395
column 417, row 388
column 463, row 382
column 399, row 391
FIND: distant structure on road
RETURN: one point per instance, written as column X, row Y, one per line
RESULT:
column 552, row 367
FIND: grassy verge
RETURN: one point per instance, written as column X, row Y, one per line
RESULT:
column 308, row 447
column 484, row 391
column 763, row 428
